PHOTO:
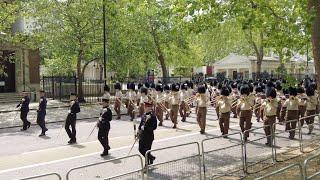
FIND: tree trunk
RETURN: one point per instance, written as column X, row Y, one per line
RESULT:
column 80, row 74
column 314, row 6
column 160, row 56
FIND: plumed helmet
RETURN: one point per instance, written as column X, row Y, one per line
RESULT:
column 184, row 86
column 166, row 87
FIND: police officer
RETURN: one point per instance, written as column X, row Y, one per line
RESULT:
column 24, row 103
column 147, row 125
column 41, row 113
column 71, row 118
column 104, row 125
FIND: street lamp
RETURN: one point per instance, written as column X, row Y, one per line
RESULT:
column 104, row 42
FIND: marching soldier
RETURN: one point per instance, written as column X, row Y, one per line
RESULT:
column 201, row 101
column 280, row 96
column 146, row 128
column 269, row 113
column 159, row 99
column 258, row 101
column 106, row 91
column 131, row 96
column 190, row 95
column 235, row 96
column 167, row 99
column 71, row 118
column 292, row 112
column 311, row 103
column 24, row 110
column 224, row 105
column 104, row 125
column 118, row 100
column 183, row 103
column 41, row 113
column 302, row 103
column 244, row 110
column 174, row 102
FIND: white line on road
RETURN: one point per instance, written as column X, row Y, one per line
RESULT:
column 96, row 153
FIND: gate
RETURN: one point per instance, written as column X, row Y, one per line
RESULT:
column 185, row 166
column 296, row 175
column 225, row 161
column 257, row 155
column 310, row 167
column 129, row 167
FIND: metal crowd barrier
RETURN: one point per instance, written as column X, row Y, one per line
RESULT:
column 184, row 167
column 129, row 167
column 225, row 161
column 278, row 173
column 288, row 147
column 310, row 139
column 307, row 163
column 51, row 176
column 257, row 155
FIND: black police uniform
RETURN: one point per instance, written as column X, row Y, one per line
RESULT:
column 104, row 128
column 71, row 121
column 24, row 103
column 149, row 122
column 42, row 114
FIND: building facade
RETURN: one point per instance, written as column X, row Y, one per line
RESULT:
column 239, row 66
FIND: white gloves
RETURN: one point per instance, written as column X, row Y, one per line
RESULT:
column 142, row 128
column 69, row 111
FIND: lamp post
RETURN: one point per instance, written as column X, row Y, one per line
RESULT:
column 104, row 42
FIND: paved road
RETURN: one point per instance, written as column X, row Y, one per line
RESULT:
column 24, row 154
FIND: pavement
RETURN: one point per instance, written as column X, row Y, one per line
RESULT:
column 24, row 154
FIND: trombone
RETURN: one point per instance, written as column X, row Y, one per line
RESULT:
column 163, row 107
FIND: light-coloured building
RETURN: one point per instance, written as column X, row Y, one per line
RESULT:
column 235, row 65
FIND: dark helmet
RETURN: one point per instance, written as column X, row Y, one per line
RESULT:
column 175, row 87
column 310, row 91
column 106, row 88
column 201, row 89
column 259, row 89
column 166, row 87
column 184, row 86
column 117, row 86
column 300, row 90
column 293, row 91
column 132, row 86
column 140, row 86
column 245, row 90
column 159, row 87
column 147, row 85
column 128, row 85
column 144, row 90
column 225, row 91
column 271, row 92
column 234, row 85
column 152, row 86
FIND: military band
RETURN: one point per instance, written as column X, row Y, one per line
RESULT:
column 268, row 101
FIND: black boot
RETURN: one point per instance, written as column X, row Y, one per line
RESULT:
column 104, row 153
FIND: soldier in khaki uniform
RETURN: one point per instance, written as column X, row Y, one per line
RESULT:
column 201, row 101
column 224, row 105
column 174, row 103
column 118, row 100
column 183, row 110
column 167, row 96
column 131, row 97
column 311, row 105
column 258, row 101
column 269, row 113
column 292, row 112
column 244, row 110
column 159, row 100
column 280, row 96
column 302, row 103
column 144, row 98
column 235, row 97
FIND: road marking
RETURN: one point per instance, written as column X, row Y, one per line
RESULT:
column 96, row 153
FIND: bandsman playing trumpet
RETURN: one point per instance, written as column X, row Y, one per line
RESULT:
column 174, row 102
column 269, row 113
column 159, row 101
column 224, row 105
column 183, row 103
column 118, row 100
column 201, row 101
